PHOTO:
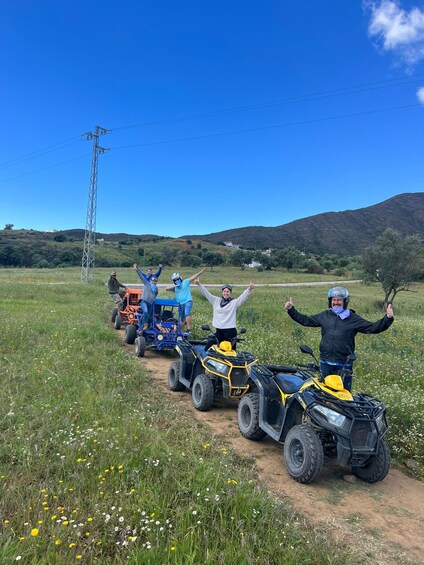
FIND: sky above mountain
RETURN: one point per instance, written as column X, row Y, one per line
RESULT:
column 221, row 114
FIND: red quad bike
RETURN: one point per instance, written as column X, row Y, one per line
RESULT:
column 315, row 416
column 127, row 316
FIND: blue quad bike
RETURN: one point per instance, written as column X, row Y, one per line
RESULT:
column 211, row 369
column 315, row 417
column 164, row 332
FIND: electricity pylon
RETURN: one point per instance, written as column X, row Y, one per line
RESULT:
column 90, row 226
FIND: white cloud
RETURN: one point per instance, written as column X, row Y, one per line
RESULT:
column 420, row 94
column 397, row 30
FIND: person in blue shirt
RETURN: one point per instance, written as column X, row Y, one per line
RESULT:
column 183, row 296
column 150, row 291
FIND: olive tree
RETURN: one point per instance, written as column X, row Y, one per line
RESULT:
column 394, row 261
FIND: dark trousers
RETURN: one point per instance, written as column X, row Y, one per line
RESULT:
column 227, row 335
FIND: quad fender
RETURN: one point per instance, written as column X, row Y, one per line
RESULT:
column 190, row 365
column 275, row 418
column 293, row 417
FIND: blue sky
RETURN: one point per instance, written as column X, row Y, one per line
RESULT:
column 223, row 114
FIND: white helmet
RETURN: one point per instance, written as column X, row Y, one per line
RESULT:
column 176, row 277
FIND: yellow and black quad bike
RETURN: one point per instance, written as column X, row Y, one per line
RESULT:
column 314, row 416
column 210, row 370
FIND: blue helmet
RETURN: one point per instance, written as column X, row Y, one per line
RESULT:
column 338, row 292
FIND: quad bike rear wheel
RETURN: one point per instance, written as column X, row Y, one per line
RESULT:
column 173, row 378
column 118, row 322
column 248, row 417
column 377, row 466
column 202, row 393
column 303, row 454
column 130, row 334
column 140, row 346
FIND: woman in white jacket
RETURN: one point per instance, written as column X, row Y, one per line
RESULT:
column 225, row 309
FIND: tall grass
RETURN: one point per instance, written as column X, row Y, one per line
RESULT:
column 97, row 465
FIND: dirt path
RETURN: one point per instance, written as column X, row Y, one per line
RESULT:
column 384, row 520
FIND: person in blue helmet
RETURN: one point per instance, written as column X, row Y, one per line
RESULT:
column 339, row 326
column 183, row 297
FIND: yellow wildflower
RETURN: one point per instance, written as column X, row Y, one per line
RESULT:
column 34, row 532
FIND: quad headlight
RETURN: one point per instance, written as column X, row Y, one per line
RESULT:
column 331, row 416
column 218, row 367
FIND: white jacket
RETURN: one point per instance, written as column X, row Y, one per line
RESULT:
column 224, row 317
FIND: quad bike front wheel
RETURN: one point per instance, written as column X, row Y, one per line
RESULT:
column 377, row 466
column 303, row 454
column 130, row 334
column 202, row 393
column 140, row 346
column 248, row 417
column 113, row 315
column 174, row 378
column 118, row 322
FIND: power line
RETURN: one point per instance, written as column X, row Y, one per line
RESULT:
column 263, row 128
column 45, row 168
column 40, row 152
column 219, row 134
column 356, row 89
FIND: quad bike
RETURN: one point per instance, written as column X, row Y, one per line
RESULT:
column 211, row 369
column 127, row 314
column 313, row 417
column 164, row 331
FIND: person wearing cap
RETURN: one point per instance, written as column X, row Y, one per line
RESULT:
column 150, row 291
column 225, row 310
column 183, row 297
column 339, row 326
column 114, row 286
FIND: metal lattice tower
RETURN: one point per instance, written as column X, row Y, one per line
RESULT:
column 90, row 226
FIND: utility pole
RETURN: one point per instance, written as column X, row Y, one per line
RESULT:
column 90, row 226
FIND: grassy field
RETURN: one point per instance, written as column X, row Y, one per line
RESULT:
column 96, row 465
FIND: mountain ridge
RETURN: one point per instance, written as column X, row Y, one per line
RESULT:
column 348, row 232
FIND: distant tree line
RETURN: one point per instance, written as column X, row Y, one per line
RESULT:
column 394, row 260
